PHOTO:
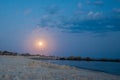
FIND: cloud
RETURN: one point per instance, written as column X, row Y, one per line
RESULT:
column 88, row 2
column 27, row 11
column 79, row 5
column 97, row 2
column 79, row 12
column 93, row 21
column 90, row 13
column 95, row 25
column 117, row 10
column 53, row 9
column 94, row 15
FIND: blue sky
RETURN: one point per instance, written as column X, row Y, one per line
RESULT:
column 70, row 27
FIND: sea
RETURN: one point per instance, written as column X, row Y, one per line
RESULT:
column 108, row 67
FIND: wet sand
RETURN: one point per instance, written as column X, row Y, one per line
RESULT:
column 23, row 68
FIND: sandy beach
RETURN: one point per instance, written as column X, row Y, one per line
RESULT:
column 23, row 68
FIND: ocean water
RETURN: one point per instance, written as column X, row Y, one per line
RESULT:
column 109, row 67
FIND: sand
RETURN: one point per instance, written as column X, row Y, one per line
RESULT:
column 23, row 68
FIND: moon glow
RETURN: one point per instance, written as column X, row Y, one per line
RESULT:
column 41, row 41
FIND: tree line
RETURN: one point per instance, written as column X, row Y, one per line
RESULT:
column 78, row 58
column 13, row 53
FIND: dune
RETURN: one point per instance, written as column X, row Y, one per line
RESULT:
column 23, row 68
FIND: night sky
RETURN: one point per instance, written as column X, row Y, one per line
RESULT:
column 67, row 27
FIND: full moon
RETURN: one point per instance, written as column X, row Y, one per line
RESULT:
column 40, row 43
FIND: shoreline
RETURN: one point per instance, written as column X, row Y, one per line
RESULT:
column 98, row 71
column 79, row 67
column 24, row 68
